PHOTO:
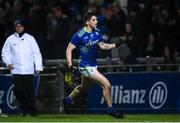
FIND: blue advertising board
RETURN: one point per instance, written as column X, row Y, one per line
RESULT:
column 138, row 93
column 7, row 96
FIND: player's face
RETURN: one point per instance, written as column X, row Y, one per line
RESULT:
column 93, row 22
column 19, row 28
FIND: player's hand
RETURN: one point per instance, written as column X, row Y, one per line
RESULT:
column 118, row 43
column 10, row 66
column 73, row 68
column 37, row 72
column 75, row 71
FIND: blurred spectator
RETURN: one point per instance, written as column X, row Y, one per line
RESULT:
column 20, row 10
column 6, row 18
column 38, row 26
column 161, row 17
column 162, row 21
column 58, row 25
column 117, row 21
column 131, row 38
column 168, row 58
column 133, row 20
column 140, row 17
column 116, row 26
column 102, row 18
column 123, row 4
column 176, row 31
column 6, row 24
column 2, row 26
column 151, row 47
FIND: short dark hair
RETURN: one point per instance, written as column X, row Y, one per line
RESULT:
column 87, row 16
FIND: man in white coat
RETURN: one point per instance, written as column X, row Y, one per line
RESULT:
column 22, row 56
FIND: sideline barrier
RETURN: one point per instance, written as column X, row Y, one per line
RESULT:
column 7, row 97
column 139, row 93
column 127, row 89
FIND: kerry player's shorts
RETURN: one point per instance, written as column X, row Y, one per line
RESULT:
column 87, row 71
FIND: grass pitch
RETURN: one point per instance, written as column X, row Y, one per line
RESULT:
column 92, row 118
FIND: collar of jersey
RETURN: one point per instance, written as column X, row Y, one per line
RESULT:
column 85, row 29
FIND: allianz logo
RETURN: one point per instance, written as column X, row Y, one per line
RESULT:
column 10, row 98
column 119, row 95
column 157, row 95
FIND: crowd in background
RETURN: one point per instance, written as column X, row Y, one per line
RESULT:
column 147, row 27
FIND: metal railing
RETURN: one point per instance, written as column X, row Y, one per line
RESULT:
column 110, row 64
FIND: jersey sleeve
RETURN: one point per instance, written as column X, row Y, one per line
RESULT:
column 6, row 53
column 75, row 40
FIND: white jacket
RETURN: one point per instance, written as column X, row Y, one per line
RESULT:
column 23, row 52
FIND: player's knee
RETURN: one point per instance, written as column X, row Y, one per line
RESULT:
column 76, row 91
column 79, row 89
column 107, row 85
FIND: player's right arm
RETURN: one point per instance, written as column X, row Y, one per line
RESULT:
column 69, row 50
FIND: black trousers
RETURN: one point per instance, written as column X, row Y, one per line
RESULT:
column 25, row 93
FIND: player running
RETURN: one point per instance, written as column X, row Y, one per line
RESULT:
column 87, row 40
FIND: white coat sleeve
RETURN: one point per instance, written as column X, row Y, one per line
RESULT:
column 6, row 53
column 37, row 57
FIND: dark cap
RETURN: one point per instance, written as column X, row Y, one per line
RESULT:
column 19, row 21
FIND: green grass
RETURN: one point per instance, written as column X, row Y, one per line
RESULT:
column 92, row 118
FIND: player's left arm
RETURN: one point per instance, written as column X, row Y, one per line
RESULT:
column 106, row 46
